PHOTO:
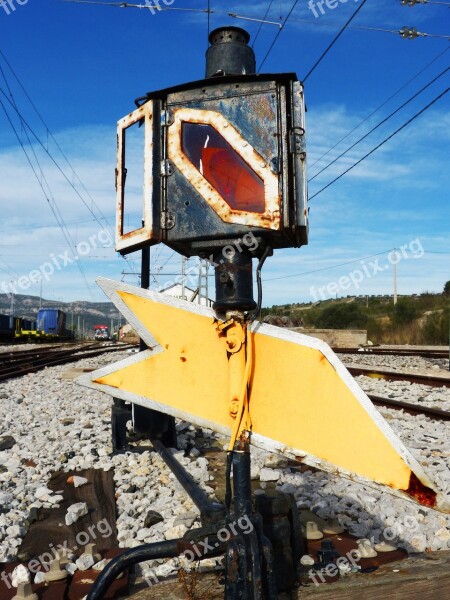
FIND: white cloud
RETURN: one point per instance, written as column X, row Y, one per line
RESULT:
column 378, row 206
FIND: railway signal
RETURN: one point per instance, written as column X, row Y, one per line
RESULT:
column 303, row 402
column 224, row 178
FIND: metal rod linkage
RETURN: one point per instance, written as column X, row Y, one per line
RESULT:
column 211, row 512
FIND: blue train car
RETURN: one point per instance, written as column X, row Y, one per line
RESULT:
column 52, row 322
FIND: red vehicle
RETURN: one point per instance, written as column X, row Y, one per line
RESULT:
column 101, row 332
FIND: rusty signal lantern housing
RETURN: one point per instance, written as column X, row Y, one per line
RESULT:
column 222, row 157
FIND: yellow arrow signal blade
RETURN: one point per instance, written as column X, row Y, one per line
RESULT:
column 303, row 401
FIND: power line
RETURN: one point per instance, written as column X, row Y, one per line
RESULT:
column 278, row 35
column 380, row 123
column 405, row 32
column 343, row 264
column 153, row 8
column 50, row 133
column 59, row 219
column 381, row 143
column 260, row 25
column 408, row 33
column 322, row 56
column 350, row 262
column 414, row 2
column 59, row 148
column 380, row 106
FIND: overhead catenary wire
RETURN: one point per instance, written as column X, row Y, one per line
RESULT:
column 47, row 129
column 328, row 48
column 158, row 8
column 261, row 24
column 49, row 133
column 59, row 220
column 415, row 2
column 46, row 150
column 366, row 135
column 405, row 32
column 54, row 207
column 380, row 106
column 277, row 35
column 413, row 118
column 343, row 264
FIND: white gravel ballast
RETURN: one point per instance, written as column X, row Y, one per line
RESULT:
column 52, row 419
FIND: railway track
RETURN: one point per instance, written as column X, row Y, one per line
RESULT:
column 411, row 408
column 390, row 375
column 33, row 361
column 419, row 352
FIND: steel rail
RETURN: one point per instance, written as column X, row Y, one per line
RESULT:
column 389, row 375
column 411, row 408
column 393, row 352
column 59, row 358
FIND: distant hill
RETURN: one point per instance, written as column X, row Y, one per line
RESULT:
column 93, row 313
column 417, row 319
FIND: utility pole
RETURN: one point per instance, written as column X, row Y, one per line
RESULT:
column 183, row 278
column 11, row 308
column 395, row 277
column 40, row 296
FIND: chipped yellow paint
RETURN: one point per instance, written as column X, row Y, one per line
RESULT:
column 297, row 398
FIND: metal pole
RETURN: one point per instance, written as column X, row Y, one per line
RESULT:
column 183, row 278
column 395, row 277
column 211, row 512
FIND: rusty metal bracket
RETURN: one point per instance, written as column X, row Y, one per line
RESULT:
column 167, row 220
column 297, row 141
column 166, row 118
column 167, row 168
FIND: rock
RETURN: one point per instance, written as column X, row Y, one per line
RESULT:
column 39, row 577
column 85, row 562
column 43, row 494
column 186, row 519
column 101, row 564
column 142, row 534
column 20, row 575
column 77, row 481
column 67, row 422
column 75, row 511
column 71, row 568
column 255, row 471
column 274, row 461
column 152, row 518
column 269, row 475
column 6, row 442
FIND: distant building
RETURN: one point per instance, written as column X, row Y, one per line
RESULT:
column 176, row 291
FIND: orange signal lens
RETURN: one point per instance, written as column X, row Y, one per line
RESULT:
column 223, row 168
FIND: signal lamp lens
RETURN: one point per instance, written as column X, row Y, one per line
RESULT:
column 223, row 168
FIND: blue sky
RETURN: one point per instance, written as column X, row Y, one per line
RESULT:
column 83, row 65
